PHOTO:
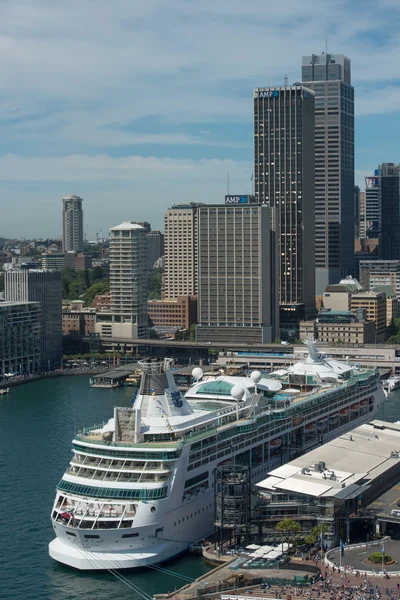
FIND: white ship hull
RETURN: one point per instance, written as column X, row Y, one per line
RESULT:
column 109, row 551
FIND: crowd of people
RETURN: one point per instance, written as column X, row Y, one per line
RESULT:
column 334, row 587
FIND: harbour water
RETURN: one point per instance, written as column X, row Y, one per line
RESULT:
column 37, row 423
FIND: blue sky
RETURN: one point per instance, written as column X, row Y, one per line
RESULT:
column 139, row 104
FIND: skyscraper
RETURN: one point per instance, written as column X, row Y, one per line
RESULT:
column 155, row 247
column 72, row 224
column 372, row 206
column 329, row 75
column 44, row 287
column 20, row 337
column 237, row 298
column 180, row 248
column 128, row 282
column 284, row 179
column 389, row 203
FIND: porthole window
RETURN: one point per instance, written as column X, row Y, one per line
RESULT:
column 153, row 509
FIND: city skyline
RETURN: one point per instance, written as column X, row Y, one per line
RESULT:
column 135, row 119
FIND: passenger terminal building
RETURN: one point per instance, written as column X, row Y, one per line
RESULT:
column 335, row 484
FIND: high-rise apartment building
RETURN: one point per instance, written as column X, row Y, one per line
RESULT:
column 44, row 287
column 180, row 250
column 72, row 224
column 237, row 295
column 128, row 317
column 329, row 75
column 20, row 337
column 155, row 247
column 284, row 126
column 389, row 202
column 378, row 273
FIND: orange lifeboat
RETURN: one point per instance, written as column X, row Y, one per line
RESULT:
column 310, row 427
column 344, row 412
column 354, row 407
column 276, row 443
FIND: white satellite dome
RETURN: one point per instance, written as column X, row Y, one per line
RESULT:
column 197, row 373
column 237, row 392
column 255, row 376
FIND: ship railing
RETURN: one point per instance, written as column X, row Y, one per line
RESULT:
column 193, row 437
column 86, row 430
column 170, row 445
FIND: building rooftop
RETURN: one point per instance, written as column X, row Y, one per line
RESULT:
column 126, row 225
column 342, row 468
column 386, row 289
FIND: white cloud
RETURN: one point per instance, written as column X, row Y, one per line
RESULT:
column 132, row 187
column 95, row 78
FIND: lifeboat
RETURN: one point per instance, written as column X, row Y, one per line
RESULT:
column 276, row 443
column 310, row 427
column 344, row 412
column 354, row 407
column 322, row 421
column 333, row 417
column 363, row 403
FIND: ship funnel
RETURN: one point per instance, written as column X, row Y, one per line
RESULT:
column 154, row 379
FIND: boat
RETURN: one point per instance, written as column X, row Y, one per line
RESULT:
column 355, row 407
column 310, row 427
column 139, row 489
column 392, row 383
column 134, row 378
column 4, row 391
column 276, row 443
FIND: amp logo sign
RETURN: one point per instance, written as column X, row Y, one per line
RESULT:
column 268, row 94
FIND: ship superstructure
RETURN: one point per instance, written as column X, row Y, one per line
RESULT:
column 139, row 489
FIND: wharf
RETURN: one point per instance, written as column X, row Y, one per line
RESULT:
column 114, row 378
column 225, row 580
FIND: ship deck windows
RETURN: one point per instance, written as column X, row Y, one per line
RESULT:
column 112, row 493
column 130, row 535
column 71, row 533
column 92, row 537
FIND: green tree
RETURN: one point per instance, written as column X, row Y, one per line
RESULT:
column 155, row 283
column 192, row 332
column 97, row 288
column 288, row 526
column 315, row 533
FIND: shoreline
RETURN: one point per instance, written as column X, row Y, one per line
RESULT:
column 51, row 374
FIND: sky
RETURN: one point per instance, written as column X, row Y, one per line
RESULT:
column 137, row 105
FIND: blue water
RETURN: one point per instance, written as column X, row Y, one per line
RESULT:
column 37, row 423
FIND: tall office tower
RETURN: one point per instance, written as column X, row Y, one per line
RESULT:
column 72, row 224
column 284, row 179
column 237, row 299
column 128, row 280
column 372, row 206
column 389, row 203
column 356, row 213
column 180, row 250
column 363, row 216
column 329, row 75
column 44, row 287
column 20, row 337
column 155, row 247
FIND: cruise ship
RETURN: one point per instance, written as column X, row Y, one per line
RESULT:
column 139, row 489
